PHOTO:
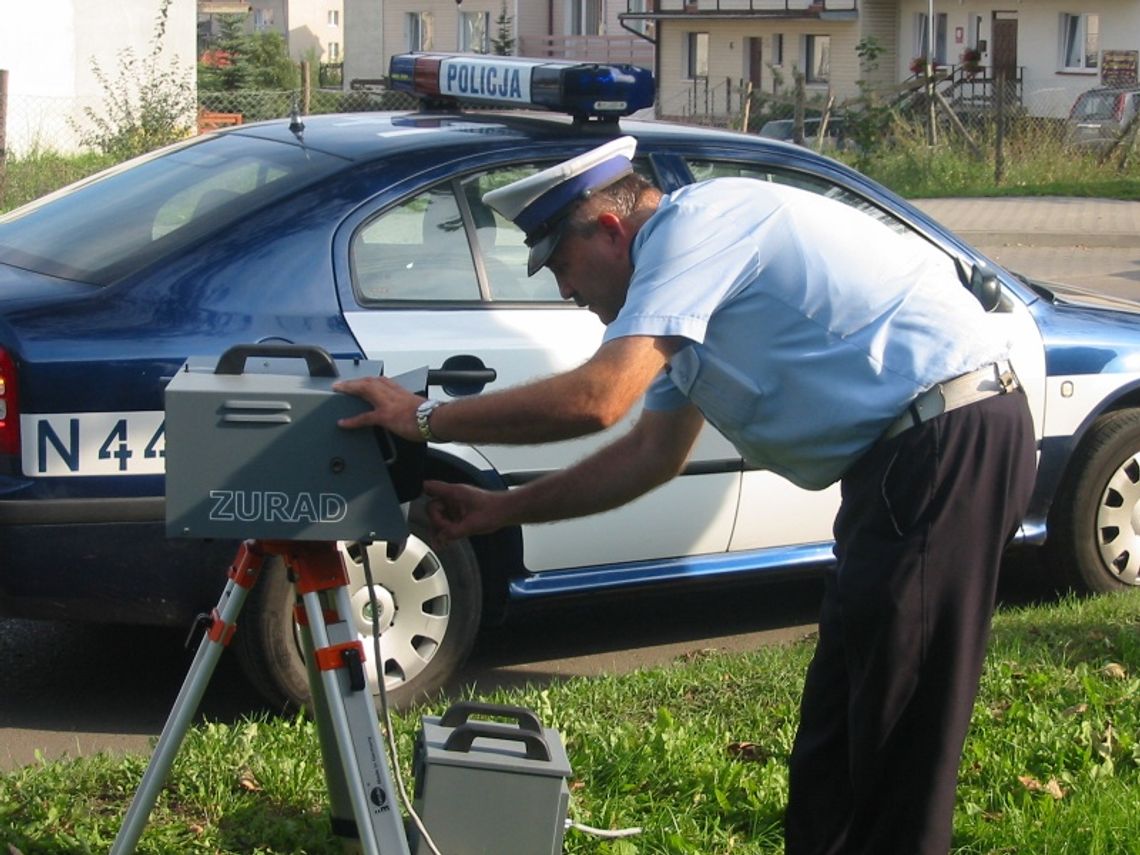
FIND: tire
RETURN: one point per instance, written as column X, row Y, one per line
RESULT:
column 430, row 599
column 1094, row 528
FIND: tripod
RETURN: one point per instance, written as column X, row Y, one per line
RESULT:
column 364, row 812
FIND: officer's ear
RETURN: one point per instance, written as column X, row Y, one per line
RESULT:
column 611, row 224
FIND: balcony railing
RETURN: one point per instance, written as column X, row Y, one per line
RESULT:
column 629, row 50
column 752, row 7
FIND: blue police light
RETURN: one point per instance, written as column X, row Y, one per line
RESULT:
column 584, row 90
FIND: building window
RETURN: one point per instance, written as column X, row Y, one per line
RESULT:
column 420, row 31
column 586, row 18
column 1080, row 42
column 975, row 31
column 697, row 58
column 778, row 49
column 640, row 25
column 473, row 32
column 262, row 19
column 922, row 36
column 817, row 58
column 334, row 51
column 334, row 17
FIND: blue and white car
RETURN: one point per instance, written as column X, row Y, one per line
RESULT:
column 366, row 235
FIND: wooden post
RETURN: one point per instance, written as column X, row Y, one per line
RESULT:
column 999, row 137
column 306, row 88
column 798, row 109
column 747, row 106
column 3, row 116
column 3, row 137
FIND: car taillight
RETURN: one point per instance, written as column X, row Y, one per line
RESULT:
column 1118, row 112
column 9, row 406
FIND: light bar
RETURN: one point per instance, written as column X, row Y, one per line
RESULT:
column 582, row 89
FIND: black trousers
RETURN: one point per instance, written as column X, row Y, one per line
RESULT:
column 921, row 528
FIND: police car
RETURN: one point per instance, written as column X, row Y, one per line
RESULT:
column 367, row 235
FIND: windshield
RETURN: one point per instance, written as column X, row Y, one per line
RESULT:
column 104, row 229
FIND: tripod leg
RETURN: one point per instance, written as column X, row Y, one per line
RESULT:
column 243, row 573
column 351, row 713
column 340, row 804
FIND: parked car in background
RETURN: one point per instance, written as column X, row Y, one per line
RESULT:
column 835, row 134
column 367, row 235
column 1099, row 117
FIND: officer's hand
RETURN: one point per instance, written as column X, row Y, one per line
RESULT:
column 459, row 510
column 393, row 406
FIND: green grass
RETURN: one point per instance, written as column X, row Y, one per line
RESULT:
column 1035, row 163
column 694, row 753
column 38, row 173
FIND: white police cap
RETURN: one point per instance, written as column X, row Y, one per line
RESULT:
column 538, row 204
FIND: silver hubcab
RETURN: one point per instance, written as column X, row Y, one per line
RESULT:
column 1118, row 523
column 412, row 608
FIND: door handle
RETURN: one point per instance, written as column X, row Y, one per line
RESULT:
column 462, row 375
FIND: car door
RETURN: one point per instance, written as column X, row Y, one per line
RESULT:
column 439, row 279
column 774, row 513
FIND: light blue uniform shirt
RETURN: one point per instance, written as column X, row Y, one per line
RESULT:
column 811, row 324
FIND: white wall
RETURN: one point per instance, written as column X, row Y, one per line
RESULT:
column 48, row 47
column 1046, row 89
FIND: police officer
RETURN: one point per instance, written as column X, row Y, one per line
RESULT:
column 826, row 347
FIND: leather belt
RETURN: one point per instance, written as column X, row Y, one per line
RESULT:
column 997, row 378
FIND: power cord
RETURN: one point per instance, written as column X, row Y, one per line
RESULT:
column 389, row 733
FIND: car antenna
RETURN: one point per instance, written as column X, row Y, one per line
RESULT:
column 295, row 123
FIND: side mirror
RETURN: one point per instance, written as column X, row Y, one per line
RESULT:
column 986, row 287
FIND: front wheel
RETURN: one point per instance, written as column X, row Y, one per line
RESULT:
column 1094, row 530
column 429, row 601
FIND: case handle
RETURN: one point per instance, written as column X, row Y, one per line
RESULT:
column 458, row 714
column 463, row 736
column 318, row 359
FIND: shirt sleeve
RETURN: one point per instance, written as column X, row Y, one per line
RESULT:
column 688, row 260
column 663, row 394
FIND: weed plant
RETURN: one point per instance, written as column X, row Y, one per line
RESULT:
column 694, row 754
column 1034, row 162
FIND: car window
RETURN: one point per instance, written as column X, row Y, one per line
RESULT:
column 127, row 218
column 416, row 251
column 704, row 169
column 433, row 246
column 502, row 244
column 1096, row 105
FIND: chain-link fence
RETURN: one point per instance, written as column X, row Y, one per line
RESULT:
column 971, row 98
column 962, row 107
column 37, row 124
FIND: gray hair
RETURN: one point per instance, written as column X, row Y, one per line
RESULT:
column 623, row 197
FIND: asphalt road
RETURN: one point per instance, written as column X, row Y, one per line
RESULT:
column 70, row 690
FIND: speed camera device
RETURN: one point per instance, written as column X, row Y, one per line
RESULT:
column 253, row 450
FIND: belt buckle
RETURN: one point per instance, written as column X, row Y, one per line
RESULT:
column 1007, row 380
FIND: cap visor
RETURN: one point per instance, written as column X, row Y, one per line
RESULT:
column 540, row 253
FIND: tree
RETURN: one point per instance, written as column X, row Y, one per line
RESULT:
column 235, row 60
column 147, row 105
column 504, row 42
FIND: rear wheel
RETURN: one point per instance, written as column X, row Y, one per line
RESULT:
column 429, row 601
column 1094, row 530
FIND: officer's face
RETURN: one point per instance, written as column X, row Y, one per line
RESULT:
column 593, row 270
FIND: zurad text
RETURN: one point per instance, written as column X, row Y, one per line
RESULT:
column 276, row 506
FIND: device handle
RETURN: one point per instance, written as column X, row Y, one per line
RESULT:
column 458, row 714
column 451, row 376
column 463, row 736
column 318, row 359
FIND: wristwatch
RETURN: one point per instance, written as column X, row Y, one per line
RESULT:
column 423, row 419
